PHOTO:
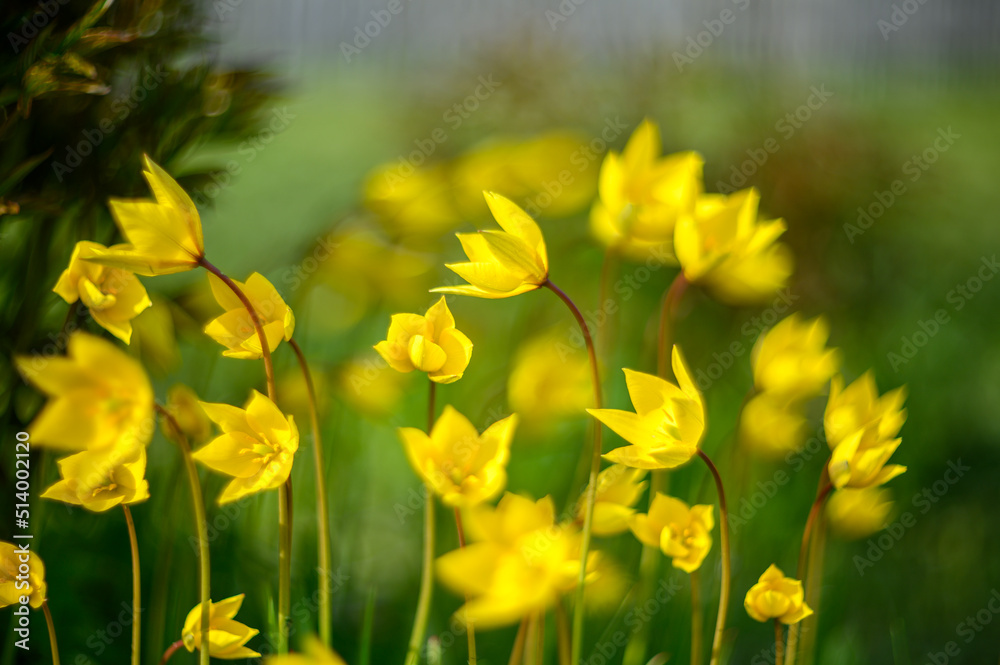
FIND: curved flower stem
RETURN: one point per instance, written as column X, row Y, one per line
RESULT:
column 697, row 619
column 136, row 585
column 779, row 646
column 671, row 300
column 470, row 627
column 322, row 517
column 427, row 569
column 52, row 632
column 255, row 319
column 595, row 467
column 171, row 650
column 720, row 621
column 201, row 525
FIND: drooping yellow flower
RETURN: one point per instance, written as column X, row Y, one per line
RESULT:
column 183, row 404
column 101, row 479
column 502, row 263
column 235, row 330
column 519, row 561
column 682, row 532
column 226, row 636
column 257, row 446
column 618, row 489
column 98, row 397
column 163, row 236
column 772, row 425
column 550, row 380
column 460, row 465
column 313, row 653
column 791, row 359
column 860, row 429
column 429, row 343
column 726, row 249
column 668, row 423
column 15, row 561
column 113, row 296
column 642, row 196
column 857, row 513
column 776, row 597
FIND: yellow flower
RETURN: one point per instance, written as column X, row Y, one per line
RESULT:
column 429, row 343
column 183, row 405
column 772, row 426
column 113, row 296
column 642, row 196
column 520, row 561
column 163, row 236
column 682, row 532
column 235, row 330
column 101, row 479
column 792, row 360
column 257, row 446
column 856, row 513
column 460, row 465
column 776, row 597
column 226, row 636
column 550, row 380
column 668, row 422
column 313, row 653
column 14, row 584
column 724, row 247
column 502, row 263
column 98, row 397
column 411, row 200
column 860, row 429
column 618, row 488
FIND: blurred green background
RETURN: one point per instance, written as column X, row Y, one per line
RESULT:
column 281, row 172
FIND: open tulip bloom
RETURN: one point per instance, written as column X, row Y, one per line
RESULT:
column 429, row 343
column 226, row 636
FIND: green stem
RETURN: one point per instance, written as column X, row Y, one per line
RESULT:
column 365, row 652
column 52, row 632
column 201, row 525
column 720, row 621
column 470, row 627
column 284, row 564
column 649, row 569
column 779, row 647
column 814, row 577
column 136, row 585
column 671, row 300
column 562, row 633
column 322, row 518
column 823, row 490
column 697, row 619
column 427, row 569
column 595, row 468
column 517, row 652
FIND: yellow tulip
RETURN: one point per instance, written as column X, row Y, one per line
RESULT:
column 682, row 532
column 668, row 423
column 550, row 380
column 860, row 429
column 791, row 359
column 502, row 263
column 776, row 597
column 857, row 513
column 98, row 397
column 101, row 479
column 618, row 489
column 113, row 296
column 773, row 426
column 725, row 248
column 226, row 636
column 257, row 446
column 235, row 330
column 429, row 343
column 14, row 584
column 458, row 464
column 163, row 235
column 642, row 196
column 313, row 653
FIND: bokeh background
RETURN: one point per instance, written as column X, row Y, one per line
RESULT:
column 274, row 115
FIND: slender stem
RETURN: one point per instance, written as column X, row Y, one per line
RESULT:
column 562, row 633
column 284, row 564
column 814, row 577
column 671, row 299
column 517, row 652
column 265, row 349
column 649, row 570
column 595, row 467
column 170, row 651
column 540, row 640
column 530, row 652
column 52, row 632
column 427, row 569
column 136, row 584
column 201, row 525
column 322, row 518
column 823, row 490
column 470, row 627
column 697, row 619
column 720, row 621
column 779, row 646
